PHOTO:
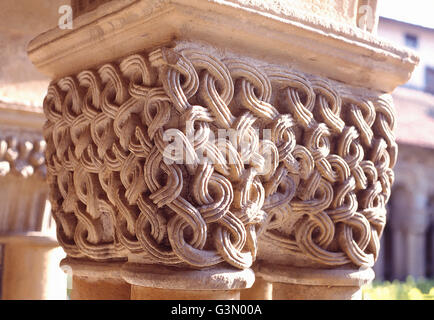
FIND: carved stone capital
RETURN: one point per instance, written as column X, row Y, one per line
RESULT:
column 137, row 162
column 193, row 149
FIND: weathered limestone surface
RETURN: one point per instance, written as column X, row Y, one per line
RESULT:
column 341, row 11
column 299, row 179
column 359, row 57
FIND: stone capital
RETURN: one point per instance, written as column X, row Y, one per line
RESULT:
column 191, row 140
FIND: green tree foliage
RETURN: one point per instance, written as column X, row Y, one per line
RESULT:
column 409, row 290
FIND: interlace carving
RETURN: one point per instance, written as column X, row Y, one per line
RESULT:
column 21, row 153
column 309, row 167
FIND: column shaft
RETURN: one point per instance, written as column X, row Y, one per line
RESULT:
column 261, row 290
column 86, row 288
column 291, row 283
column 416, row 260
column 96, row 281
column 31, row 272
column 289, row 291
column 144, row 293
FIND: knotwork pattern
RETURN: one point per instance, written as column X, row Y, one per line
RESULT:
column 22, row 153
column 309, row 167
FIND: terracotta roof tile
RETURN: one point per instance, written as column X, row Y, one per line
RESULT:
column 415, row 117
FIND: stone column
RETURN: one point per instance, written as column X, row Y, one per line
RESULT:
column 416, row 246
column 398, row 204
column 30, row 252
column 261, row 290
column 191, row 141
column 410, row 223
column 31, row 268
column 431, row 238
column 95, row 281
column 415, row 225
column 380, row 265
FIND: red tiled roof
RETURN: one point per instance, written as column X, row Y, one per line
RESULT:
column 415, row 117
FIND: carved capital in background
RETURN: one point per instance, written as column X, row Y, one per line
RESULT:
column 24, row 209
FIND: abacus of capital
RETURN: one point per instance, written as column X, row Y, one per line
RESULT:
column 152, row 203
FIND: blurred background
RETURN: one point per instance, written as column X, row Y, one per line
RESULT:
column 405, row 268
column 408, row 240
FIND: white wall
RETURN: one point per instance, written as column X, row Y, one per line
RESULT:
column 395, row 31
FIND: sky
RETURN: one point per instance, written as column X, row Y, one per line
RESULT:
column 419, row 12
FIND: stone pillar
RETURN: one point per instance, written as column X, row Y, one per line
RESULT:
column 191, row 140
column 31, row 253
column 31, row 269
column 166, row 283
column 410, row 224
column 415, row 227
column 398, row 204
column 379, row 267
column 261, row 290
column 431, row 238
column 316, row 284
column 94, row 281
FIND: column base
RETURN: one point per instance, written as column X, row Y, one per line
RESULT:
column 291, row 283
column 96, row 280
column 156, row 282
